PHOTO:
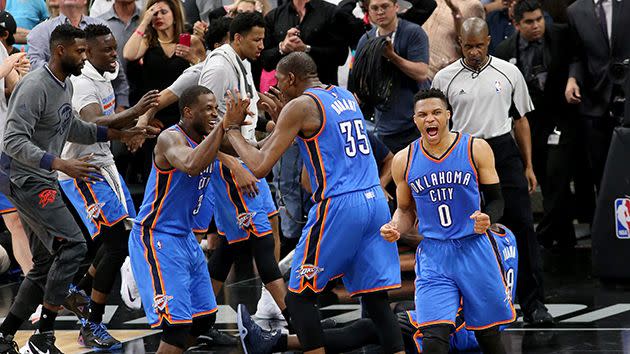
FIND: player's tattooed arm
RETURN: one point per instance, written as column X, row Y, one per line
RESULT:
column 405, row 214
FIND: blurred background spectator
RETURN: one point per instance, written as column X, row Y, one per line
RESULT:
column 27, row 14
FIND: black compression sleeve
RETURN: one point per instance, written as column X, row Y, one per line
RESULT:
column 492, row 201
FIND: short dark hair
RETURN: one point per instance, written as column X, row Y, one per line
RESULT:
column 523, row 6
column 217, row 30
column 298, row 63
column 244, row 22
column 94, row 31
column 430, row 93
column 64, row 34
column 190, row 95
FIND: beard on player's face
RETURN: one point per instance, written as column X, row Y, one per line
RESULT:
column 71, row 66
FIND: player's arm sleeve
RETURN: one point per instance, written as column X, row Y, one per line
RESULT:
column 520, row 96
column 188, row 78
column 83, row 95
column 215, row 77
column 493, row 203
column 86, row 133
column 20, row 126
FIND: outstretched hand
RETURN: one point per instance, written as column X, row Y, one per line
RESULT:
column 236, row 110
column 273, row 101
column 148, row 101
column 130, row 136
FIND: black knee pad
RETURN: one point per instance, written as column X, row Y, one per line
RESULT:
column 201, row 325
column 306, row 320
column 435, row 339
column 176, row 335
column 221, row 260
column 262, row 249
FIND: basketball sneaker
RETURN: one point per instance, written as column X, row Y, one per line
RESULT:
column 78, row 302
column 128, row 287
column 95, row 336
column 254, row 339
column 41, row 343
column 8, row 345
column 267, row 309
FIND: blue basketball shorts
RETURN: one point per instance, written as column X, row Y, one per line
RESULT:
column 465, row 272
column 5, row 205
column 237, row 215
column 97, row 204
column 342, row 239
column 172, row 276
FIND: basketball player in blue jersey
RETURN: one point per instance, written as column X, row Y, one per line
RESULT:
column 363, row 332
column 167, row 261
column 444, row 173
column 341, row 237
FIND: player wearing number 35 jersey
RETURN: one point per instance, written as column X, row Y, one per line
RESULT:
column 439, row 181
column 341, row 237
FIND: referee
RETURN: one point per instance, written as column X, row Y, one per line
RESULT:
column 485, row 92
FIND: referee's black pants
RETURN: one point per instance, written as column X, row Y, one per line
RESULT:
column 518, row 217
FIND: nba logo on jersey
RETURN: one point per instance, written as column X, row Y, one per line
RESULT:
column 622, row 216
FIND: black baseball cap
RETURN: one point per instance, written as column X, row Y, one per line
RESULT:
column 7, row 22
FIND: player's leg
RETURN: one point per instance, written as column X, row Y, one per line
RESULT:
column 220, row 262
column 93, row 332
column 435, row 338
column 267, row 265
column 381, row 314
column 490, row 340
column 306, row 320
column 19, row 241
column 30, row 293
column 274, row 220
column 487, row 300
column 174, row 339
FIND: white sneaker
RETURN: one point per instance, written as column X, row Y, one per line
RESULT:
column 36, row 315
column 128, row 287
column 285, row 263
column 267, row 309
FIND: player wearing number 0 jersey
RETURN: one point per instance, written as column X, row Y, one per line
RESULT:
column 439, row 180
column 341, row 237
column 462, row 339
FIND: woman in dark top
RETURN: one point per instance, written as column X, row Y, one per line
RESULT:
column 161, row 58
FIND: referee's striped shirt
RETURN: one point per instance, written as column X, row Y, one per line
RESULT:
column 484, row 101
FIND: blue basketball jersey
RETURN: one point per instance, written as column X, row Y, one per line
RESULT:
column 505, row 242
column 338, row 157
column 172, row 198
column 445, row 189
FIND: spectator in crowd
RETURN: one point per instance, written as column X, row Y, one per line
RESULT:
column 555, row 147
column 156, row 42
column 53, row 8
column 500, row 24
column 599, row 43
column 27, row 14
column 443, row 28
column 72, row 12
column 407, row 49
column 100, row 7
column 482, row 90
column 7, row 32
column 418, row 13
column 239, row 6
column 305, row 26
column 13, row 67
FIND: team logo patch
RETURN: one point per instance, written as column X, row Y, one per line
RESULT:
column 94, row 210
column 160, row 301
column 159, row 245
column 308, row 271
column 65, row 117
column 245, row 220
column 622, row 216
column 46, row 197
